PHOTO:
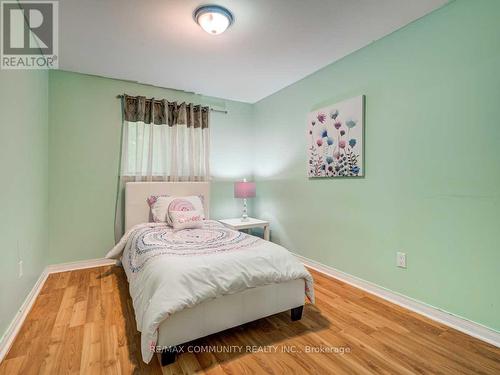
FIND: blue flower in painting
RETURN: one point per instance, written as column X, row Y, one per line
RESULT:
column 329, row 141
column 329, row 159
column 352, row 142
column 355, row 169
column 334, row 114
column 350, row 124
column 324, row 134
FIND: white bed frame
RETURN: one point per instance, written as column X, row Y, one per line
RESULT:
column 222, row 312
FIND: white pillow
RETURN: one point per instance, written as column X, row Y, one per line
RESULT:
column 186, row 219
column 159, row 207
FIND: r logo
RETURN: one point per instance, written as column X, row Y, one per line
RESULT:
column 29, row 28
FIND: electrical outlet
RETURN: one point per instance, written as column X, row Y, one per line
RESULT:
column 401, row 259
column 20, row 268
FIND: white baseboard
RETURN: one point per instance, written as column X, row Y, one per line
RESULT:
column 459, row 323
column 81, row 264
column 14, row 327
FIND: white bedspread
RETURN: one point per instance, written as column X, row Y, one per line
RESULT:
column 170, row 271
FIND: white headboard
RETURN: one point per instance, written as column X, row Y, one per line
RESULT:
column 136, row 194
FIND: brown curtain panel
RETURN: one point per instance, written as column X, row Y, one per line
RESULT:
column 138, row 109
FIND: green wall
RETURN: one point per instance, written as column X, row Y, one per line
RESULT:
column 84, row 143
column 23, row 187
column 432, row 163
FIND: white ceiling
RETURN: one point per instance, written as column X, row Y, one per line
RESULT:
column 272, row 44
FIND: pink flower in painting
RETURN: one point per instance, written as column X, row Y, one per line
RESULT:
column 337, row 125
column 342, row 144
column 319, row 142
column 321, row 118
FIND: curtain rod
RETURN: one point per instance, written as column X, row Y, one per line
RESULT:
column 211, row 109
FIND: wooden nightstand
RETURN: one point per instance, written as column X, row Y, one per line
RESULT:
column 237, row 224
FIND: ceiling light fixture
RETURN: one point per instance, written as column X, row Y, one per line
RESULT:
column 214, row 19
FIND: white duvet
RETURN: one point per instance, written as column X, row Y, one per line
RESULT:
column 170, row 271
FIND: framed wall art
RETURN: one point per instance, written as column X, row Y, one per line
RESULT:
column 335, row 139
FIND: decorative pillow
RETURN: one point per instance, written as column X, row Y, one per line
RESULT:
column 185, row 204
column 161, row 205
column 186, row 219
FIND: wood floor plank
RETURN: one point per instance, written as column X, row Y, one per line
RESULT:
column 12, row 366
column 83, row 323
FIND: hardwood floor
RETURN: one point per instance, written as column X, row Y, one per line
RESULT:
column 83, row 323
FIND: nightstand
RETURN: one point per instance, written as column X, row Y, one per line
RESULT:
column 237, row 224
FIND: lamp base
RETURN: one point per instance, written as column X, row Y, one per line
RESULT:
column 244, row 216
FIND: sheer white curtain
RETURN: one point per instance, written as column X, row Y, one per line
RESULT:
column 164, row 153
column 161, row 141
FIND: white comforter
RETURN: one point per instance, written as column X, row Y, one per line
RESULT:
column 170, row 271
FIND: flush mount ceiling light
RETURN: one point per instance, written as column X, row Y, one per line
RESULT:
column 214, row 19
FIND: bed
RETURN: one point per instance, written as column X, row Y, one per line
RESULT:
column 192, row 283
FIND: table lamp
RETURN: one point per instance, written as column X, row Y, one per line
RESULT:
column 244, row 189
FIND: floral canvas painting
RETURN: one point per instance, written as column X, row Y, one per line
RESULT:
column 335, row 140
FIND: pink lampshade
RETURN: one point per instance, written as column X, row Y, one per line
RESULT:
column 244, row 189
